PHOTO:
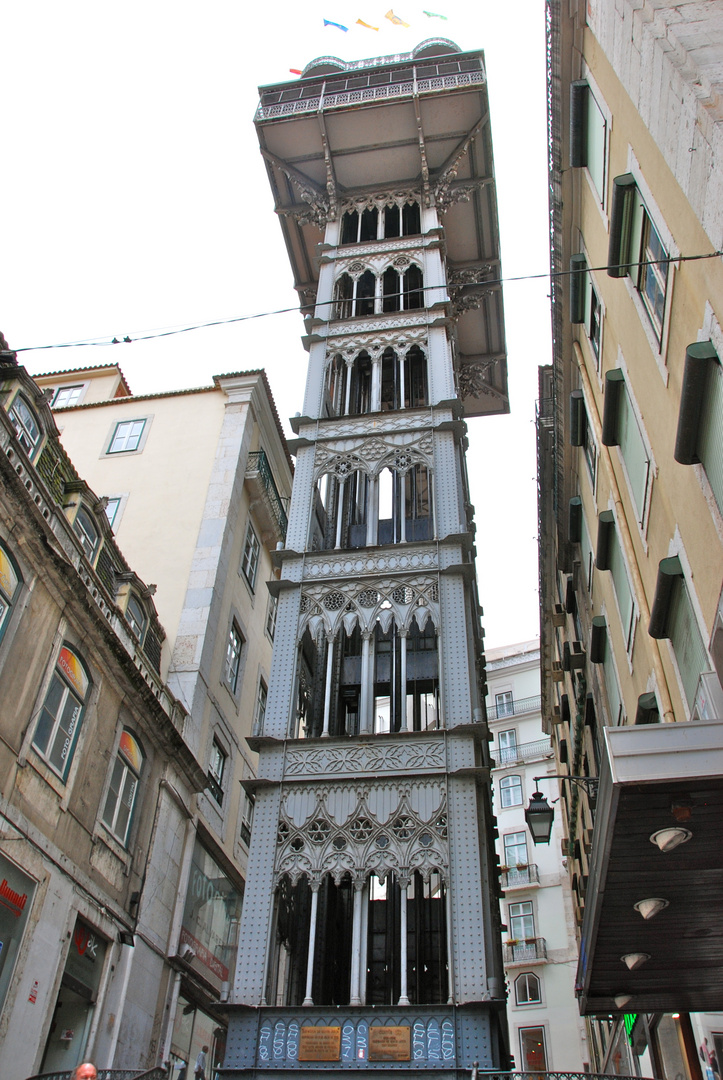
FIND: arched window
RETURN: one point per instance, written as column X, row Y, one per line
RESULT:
column 343, row 297
column 391, row 299
column 136, row 617
column 26, row 424
column 354, row 298
column 123, row 789
column 365, row 289
column 527, row 989
column 511, row 791
column 10, row 583
column 56, row 735
column 411, row 219
column 86, row 530
column 357, row 228
column 413, row 289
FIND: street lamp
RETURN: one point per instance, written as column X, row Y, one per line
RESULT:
column 539, row 815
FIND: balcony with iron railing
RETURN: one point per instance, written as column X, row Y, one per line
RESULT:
column 514, row 708
column 266, row 503
column 524, row 951
column 518, row 877
column 526, row 751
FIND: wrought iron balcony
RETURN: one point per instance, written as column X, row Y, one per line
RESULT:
column 526, row 751
column 524, row 951
column 514, row 708
column 516, row 877
column 266, row 503
column 481, row 1074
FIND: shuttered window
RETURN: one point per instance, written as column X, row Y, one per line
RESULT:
column 710, row 439
column 623, row 591
column 685, row 637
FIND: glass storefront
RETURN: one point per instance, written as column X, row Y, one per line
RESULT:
column 16, row 898
column 75, row 1005
column 211, row 917
column 192, row 1030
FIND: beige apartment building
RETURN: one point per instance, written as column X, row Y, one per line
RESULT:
column 630, row 437
column 197, row 485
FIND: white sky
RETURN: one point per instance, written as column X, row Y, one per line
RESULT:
column 135, row 199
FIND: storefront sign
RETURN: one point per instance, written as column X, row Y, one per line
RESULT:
column 389, row 1043
column 319, row 1043
column 16, row 896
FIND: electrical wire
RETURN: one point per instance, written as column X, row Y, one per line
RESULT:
column 151, row 335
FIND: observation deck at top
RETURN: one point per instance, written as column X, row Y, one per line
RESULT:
column 416, row 121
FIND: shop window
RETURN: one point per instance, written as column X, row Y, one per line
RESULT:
column 26, row 424
column 10, row 585
column 77, row 999
column 17, row 903
column 527, row 989
column 250, row 557
column 121, row 798
column 533, row 1057
column 61, row 715
column 511, row 791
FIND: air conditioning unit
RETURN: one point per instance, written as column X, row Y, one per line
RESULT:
column 577, row 655
column 558, row 615
column 557, row 673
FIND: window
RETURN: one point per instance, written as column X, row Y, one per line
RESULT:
column 515, row 849
column 250, row 558
column 66, row 396
column 511, row 791
column 260, row 711
column 699, row 438
column 136, row 617
column 609, row 556
column 581, row 433
column 507, row 744
column 112, row 508
column 127, row 436
column 621, row 428
column 86, row 530
column 216, row 769
column 355, row 297
column 62, row 713
column 532, row 1050
column 505, row 707
column 371, row 224
column 271, row 614
column 593, row 320
column 233, row 657
column 588, row 135
column 636, row 249
column 672, row 615
column 612, row 687
column 123, row 789
column 27, row 427
column 10, row 582
column 247, row 817
column 521, row 921
column 527, row 989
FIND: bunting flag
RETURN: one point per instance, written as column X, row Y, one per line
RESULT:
column 395, row 19
column 434, row 15
column 295, row 71
column 328, row 22
column 360, row 22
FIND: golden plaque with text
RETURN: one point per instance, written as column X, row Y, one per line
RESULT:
column 389, row 1043
column 319, row 1043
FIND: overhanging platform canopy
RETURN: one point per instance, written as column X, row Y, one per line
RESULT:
column 412, row 122
column 654, row 777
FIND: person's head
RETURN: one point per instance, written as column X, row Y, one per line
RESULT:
column 86, row 1071
column 205, row 1049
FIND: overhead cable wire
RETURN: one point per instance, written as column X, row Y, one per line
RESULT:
column 151, row 335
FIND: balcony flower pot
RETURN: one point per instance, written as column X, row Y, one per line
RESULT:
column 530, row 941
column 521, row 866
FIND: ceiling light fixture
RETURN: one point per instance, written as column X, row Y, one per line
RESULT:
column 650, row 907
column 635, row 960
column 621, row 1000
column 668, row 839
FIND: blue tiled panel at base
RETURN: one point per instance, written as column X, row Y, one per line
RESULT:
column 442, row 1039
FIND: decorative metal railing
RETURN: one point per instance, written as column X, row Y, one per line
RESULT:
column 516, row 952
column 481, row 1074
column 526, row 751
column 514, row 708
column 517, row 876
column 259, row 463
column 159, row 1073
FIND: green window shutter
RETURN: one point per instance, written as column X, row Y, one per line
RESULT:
column 634, row 452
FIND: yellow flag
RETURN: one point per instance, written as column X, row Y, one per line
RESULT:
column 395, row 19
column 360, row 22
